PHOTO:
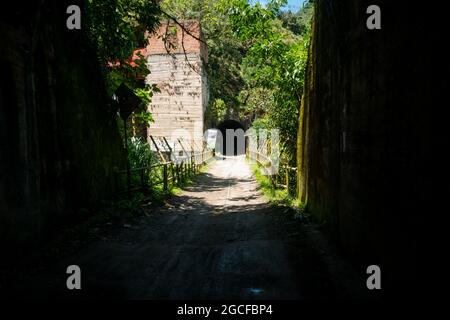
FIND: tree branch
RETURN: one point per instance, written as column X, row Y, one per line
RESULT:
column 183, row 27
column 185, row 55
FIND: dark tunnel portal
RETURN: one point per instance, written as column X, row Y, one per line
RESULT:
column 233, row 125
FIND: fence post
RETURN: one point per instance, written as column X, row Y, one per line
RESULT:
column 287, row 179
column 165, row 177
column 172, row 173
column 195, row 162
column 180, row 171
column 273, row 177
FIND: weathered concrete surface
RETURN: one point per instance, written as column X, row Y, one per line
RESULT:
column 59, row 137
column 368, row 130
column 179, row 71
column 218, row 240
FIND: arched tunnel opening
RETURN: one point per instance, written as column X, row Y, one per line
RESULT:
column 231, row 140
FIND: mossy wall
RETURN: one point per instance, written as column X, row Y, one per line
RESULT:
column 365, row 136
column 59, row 138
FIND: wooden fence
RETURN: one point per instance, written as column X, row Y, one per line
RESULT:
column 284, row 176
column 165, row 174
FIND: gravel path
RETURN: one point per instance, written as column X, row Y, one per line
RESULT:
column 219, row 239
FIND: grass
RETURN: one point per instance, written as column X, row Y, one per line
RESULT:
column 277, row 196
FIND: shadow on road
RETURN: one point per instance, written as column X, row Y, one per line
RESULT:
column 219, row 239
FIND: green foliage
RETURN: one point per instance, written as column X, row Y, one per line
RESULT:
column 225, row 51
column 216, row 112
column 139, row 153
column 261, row 123
column 298, row 22
column 273, row 68
column 116, row 28
column 274, row 195
column 257, row 58
column 143, row 116
column 277, row 196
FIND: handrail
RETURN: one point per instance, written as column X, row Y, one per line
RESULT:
column 171, row 171
column 277, row 176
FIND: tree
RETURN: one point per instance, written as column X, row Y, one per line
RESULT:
column 257, row 59
column 298, row 22
column 275, row 60
column 116, row 29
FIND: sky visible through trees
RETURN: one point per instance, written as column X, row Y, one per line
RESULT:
column 293, row 5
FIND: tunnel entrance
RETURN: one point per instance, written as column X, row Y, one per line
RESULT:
column 233, row 138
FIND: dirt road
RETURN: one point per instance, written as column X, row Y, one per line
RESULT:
column 219, row 239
